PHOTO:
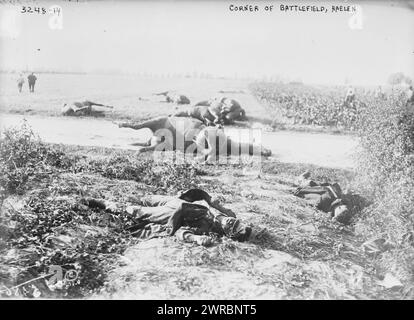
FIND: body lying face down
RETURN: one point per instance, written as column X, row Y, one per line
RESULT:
column 174, row 97
column 326, row 197
column 203, row 113
column 83, row 108
column 160, row 216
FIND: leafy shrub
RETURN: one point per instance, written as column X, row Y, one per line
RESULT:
column 386, row 134
column 24, row 158
column 43, row 216
column 23, row 155
column 386, row 172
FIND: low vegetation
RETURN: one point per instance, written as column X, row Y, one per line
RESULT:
column 386, row 174
column 44, row 186
column 303, row 105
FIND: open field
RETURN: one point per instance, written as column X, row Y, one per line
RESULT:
column 123, row 92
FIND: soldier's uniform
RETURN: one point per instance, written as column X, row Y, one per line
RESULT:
column 177, row 98
column 229, row 109
column 32, row 80
column 326, row 197
column 159, row 216
column 81, row 109
column 226, row 110
column 20, row 83
column 201, row 113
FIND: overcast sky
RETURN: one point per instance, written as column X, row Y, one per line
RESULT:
column 168, row 37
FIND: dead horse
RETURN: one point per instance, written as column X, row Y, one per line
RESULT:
column 192, row 135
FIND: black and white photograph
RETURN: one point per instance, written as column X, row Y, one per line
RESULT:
column 206, row 150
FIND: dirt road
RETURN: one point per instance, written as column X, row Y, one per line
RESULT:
column 321, row 149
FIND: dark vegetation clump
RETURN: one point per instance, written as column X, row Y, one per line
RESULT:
column 23, row 156
column 65, row 233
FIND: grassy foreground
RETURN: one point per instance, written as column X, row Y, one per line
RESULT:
column 295, row 251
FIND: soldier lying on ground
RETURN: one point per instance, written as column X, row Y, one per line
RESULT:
column 324, row 196
column 174, row 97
column 159, row 216
column 228, row 109
column 210, row 117
column 82, row 108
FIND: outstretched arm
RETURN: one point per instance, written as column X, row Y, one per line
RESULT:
column 214, row 203
column 198, row 195
column 95, row 104
column 76, row 109
column 99, row 105
column 185, row 211
column 187, row 235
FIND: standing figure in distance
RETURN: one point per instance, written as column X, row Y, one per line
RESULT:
column 410, row 95
column 32, row 80
column 350, row 95
column 20, row 82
